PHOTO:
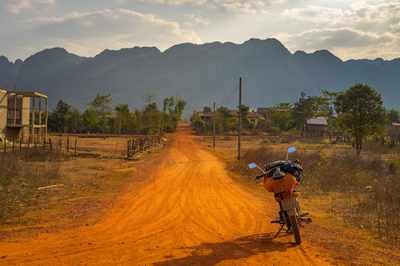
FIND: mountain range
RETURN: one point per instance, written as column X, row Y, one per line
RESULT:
column 201, row 74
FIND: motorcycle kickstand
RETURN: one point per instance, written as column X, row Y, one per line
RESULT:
column 279, row 231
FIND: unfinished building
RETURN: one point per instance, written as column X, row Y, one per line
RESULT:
column 23, row 116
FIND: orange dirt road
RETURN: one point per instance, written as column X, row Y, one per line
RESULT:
column 190, row 212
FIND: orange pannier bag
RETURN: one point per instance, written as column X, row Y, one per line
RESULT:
column 284, row 184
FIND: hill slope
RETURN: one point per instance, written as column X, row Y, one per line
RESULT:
column 199, row 73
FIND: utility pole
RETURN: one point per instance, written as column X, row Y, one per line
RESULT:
column 240, row 119
column 214, row 114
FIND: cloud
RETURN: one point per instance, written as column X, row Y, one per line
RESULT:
column 90, row 32
column 368, row 28
column 17, row 6
column 195, row 21
column 363, row 15
column 237, row 6
column 332, row 38
column 346, row 42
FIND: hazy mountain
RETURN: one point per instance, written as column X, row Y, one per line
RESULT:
column 199, row 73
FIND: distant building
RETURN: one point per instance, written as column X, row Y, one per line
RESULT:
column 316, row 127
column 253, row 117
column 23, row 116
column 394, row 133
column 206, row 117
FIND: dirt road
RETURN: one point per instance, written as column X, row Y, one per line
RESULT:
column 190, row 212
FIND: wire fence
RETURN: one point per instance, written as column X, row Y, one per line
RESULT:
column 98, row 145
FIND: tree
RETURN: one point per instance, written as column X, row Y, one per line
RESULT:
column 151, row 119
column 135, row 124
column 207, row 109
column 180, row 105
column 91, row 121
column 168, row 104
column 308, row 107
column 197, row 123
column 360, row 113
column 281, row 117
column 244, row 111
column 74, row 121
column 172, row 112
column 65, row 119
column 393, row 116
column 101, row 106
column 122, row 117
column 58, row 119
column 224, row 121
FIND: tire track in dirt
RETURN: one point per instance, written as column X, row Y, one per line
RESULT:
column 190, row 212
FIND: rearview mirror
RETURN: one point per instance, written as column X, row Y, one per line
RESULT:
column 252, row 165
column 291, row 149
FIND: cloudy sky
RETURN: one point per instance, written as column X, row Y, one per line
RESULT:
column 350, row 29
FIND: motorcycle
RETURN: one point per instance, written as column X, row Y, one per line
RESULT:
column 281, row 178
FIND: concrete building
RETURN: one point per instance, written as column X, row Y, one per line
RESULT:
column 3, row 114
column 23, row 116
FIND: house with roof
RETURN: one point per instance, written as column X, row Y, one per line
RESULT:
column 394, row 132
column 23, row 116
column 316, row 127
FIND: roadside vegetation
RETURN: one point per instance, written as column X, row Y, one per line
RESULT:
column 356, row 165
column 101, row 117
column 355, row 116
column 38, row 179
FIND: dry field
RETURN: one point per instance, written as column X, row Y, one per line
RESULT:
column 182, row 206
column 95, row 145
column 42, row 191
column 346, row 217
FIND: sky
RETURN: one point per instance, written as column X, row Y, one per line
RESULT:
column 350, row 29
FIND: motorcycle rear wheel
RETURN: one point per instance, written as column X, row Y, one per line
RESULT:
column 295, row 229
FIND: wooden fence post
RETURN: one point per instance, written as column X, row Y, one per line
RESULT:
column 5, row 145
column 67, row 144
column 134, row 146
column 50, row 145
column 128, row 149
column 13, row 144
column 76, row 146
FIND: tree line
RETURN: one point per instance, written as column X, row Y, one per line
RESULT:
column 101, row 117
column 357, row 112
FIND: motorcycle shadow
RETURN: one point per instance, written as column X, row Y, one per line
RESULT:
column 240, row 248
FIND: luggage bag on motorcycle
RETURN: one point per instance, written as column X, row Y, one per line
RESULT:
column 284, row 184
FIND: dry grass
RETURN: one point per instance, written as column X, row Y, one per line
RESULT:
column 89, row 185
column 20, row 176
column 366, row 188
column 364, row 191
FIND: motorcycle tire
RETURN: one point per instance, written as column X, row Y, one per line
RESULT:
column 295, row 229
